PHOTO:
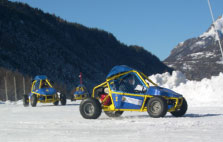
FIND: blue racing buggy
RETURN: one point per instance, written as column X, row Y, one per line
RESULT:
column 127, row 89
column 80, row 93
column 42, row 91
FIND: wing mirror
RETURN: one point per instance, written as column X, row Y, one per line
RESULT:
column 140, row 88
column 144, row 89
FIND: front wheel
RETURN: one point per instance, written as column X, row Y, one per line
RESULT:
column 180, row 112
column 56, row 103
column 33, row 100
column 25, row 100
column 157, row 107
column 90, row 108
column 113, row 113
column 63, row 99
column 72, row 98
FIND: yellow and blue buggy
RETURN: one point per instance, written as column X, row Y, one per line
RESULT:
column 127, row 89
column 80, row 93
column 43, row 92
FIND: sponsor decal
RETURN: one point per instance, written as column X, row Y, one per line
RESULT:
column 131, row 100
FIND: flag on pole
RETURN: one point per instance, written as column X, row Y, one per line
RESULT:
column 80, row 76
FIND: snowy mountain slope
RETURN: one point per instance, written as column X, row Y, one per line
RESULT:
column 199, row 57
column 48, row 123
column 218, row 25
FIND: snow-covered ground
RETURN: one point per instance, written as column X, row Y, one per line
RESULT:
column 64, row 123
column 202, row 123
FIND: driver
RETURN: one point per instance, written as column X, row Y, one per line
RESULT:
column 127, row 84
column 44, row 84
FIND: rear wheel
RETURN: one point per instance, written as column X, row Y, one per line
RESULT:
column 72, row 98
column 180, row 112
column 90, row 108
column 57, row 100
column 113, row 113
column 63, row 99
column 25, row 100
column 56, row 103
column 157, row 107
column 33, row 100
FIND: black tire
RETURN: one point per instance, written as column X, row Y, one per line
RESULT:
column 183, row 109
column 90, row 108
column 113, row 113
column 63, row 99
column 33, row 100
column 56, row 103
column 157, row 107
column 72, row 98
column 56, row 97
column 25, row 100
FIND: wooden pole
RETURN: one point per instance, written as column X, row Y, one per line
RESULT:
column 24, row 85
column 6, row 89
column 15, row 89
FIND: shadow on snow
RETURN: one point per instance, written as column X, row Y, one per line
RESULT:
column 168, row 116
column 201, row 115
column 51, row 105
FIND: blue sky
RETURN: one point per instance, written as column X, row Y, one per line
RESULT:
column 157, row 25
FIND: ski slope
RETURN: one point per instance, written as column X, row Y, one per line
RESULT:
column 202, row 122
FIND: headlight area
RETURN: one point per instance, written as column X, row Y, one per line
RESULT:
column 48, row 97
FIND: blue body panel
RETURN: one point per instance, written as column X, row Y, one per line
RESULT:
column 79, row 93
column 122, row 101
column 156, row 90
column 127, row 102
column 46, row 91
column 118, row 69
column 117, row 100
column 40, row 77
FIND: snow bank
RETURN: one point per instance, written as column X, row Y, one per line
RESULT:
column 207, row 92
column 13, row 102
column 169, row 81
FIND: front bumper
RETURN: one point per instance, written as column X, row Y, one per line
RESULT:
column 48, row 98
column 80, row 97
column 174, row 103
